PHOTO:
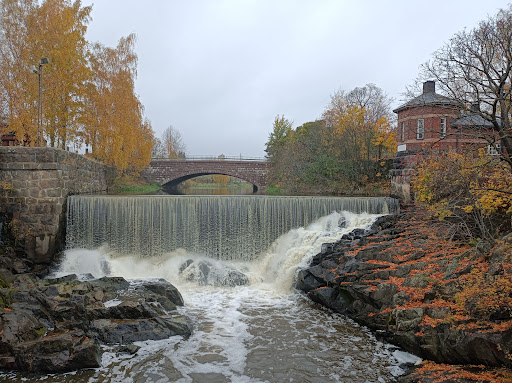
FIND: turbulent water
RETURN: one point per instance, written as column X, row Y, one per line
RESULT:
column 262, row 332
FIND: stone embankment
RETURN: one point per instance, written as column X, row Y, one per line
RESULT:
column 411, row 282
column 34, row 185
column 59, row 325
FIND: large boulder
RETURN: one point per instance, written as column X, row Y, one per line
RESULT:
column 57, row 325
column 63, row 352
column 212, row 273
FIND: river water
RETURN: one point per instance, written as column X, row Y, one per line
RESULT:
column 262, row 332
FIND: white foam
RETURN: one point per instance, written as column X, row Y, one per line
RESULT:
column 112, row 303
column 403, row 357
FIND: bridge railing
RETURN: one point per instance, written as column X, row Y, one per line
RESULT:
column 212, row 158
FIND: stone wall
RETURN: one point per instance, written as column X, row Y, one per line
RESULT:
column 34, row 185
column 403, row 168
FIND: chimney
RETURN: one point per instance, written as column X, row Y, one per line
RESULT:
column 475, row 107
column 429, row 87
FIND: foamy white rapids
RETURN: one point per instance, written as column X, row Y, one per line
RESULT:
column 262, row 332
column 274, row 268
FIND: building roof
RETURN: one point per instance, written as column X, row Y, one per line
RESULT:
column 472, row 119
column 429, row 97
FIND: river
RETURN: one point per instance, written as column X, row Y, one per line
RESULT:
column 262, row 332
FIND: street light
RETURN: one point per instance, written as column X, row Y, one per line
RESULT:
column 39, row 72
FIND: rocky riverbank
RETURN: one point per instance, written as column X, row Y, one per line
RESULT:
column 411, row 281
column 60, row 324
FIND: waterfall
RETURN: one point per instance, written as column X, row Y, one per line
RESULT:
column 221, row 227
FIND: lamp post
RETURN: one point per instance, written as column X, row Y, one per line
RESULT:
column 39, row 72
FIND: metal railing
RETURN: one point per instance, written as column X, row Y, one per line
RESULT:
column 212, row 158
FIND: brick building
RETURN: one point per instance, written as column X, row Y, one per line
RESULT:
column 432, row 121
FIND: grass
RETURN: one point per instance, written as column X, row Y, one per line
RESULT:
column 131, row 184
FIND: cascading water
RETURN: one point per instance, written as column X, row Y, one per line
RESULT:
column 224, row 227
column 259, row 332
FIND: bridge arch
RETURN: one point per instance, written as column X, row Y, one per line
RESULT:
column 172, row 172
column 173, row 184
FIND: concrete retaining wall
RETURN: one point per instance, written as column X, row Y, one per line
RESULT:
column 34, row 185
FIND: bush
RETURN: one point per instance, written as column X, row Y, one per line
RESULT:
column 471, row 190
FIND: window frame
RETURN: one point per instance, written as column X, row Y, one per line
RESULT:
column 494, row 150
column 402, row 133
column 420, row 133
column 443, row 126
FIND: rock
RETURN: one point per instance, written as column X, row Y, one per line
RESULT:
column 112, row 283
column 383, row 296
column 321, row 273
column 393, row 289
column 484, row 247
column 408, row 319
column 185, row 264
column 371, row 252
column 399, row 299
column 58, row 353
column 327, row 248
column 55, row 325
column 6, row 277
column 507, row 238
column 418, row 280
column 437, row 312
column 127, row 349
column 164, row 288
column 330, row 298
column 214, row 274
column 135, row 330
column 306, row 282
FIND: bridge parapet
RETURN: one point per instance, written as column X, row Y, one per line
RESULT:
column 211, row 158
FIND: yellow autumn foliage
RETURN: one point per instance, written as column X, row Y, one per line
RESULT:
column 472, row 187
column 88, row 94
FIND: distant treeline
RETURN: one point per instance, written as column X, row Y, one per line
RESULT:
column 348, row 151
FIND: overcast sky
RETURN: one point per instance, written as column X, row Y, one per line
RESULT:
column 219, row 71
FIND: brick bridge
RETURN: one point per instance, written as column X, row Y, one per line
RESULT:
column 171, row 172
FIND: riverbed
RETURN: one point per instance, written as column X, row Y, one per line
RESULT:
column 264, row 331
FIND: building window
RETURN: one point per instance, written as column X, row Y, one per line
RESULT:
column 421, row 129
column 494, row 149
column 402, row 133
column 443, row 127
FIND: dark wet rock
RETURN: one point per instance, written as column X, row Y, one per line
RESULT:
column 135, row 330
column 58, row 324
column 306, row 281
column 213, row 273
column 127, row 349
column 327, row 248
column 164, row 288
column 329, row 297
column 58, row 353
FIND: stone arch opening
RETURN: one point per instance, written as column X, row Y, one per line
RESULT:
column 172, row 186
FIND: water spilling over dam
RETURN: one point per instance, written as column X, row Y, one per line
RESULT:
column 223, row 227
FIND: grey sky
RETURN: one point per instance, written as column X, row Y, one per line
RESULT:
column 219, row 71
